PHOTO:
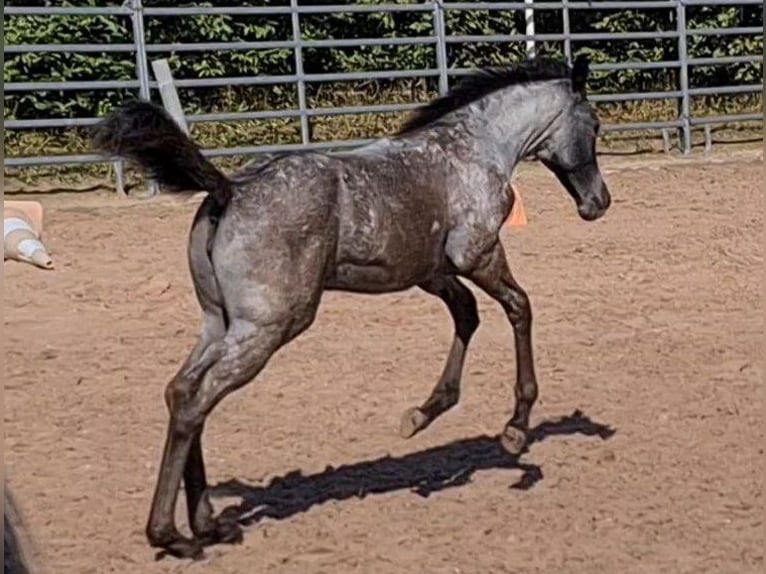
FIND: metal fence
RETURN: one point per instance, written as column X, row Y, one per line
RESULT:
column 684, row 123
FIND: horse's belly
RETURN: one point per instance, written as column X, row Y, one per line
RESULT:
column 394, row 268
column 372, row 279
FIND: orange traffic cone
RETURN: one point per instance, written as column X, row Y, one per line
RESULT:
column 518, row 217
column 22, row 228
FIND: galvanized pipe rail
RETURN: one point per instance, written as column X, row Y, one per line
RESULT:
column 134, row 9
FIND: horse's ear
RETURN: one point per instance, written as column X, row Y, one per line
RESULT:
column 580, row 71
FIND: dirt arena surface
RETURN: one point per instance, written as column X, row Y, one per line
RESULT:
column 648, row 451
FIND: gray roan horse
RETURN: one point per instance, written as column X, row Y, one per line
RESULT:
column 421, row 208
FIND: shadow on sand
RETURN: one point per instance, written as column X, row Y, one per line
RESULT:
column 424, row 472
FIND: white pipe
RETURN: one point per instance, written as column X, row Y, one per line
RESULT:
column 529, row 17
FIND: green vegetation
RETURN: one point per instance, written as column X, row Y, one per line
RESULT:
column 58, row 66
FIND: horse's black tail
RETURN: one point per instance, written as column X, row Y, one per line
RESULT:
column 146, row 134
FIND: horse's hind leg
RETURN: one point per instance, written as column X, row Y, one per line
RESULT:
column 205, row 353
column 199, row 508
column 208, row 350
column 496, row 280
column 462, row 307
column 245, row 350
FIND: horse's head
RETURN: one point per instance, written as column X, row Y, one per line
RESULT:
column 569, row 150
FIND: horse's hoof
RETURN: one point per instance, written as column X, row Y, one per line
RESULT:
column 181, row 547
column 229, row 533
column 513, row 440
column 413, row 421
column 223, row 532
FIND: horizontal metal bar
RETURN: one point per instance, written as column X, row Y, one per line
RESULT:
column 597, row 67
column 721, row 2
column 641, row 126
column 351, row 8
column 352, row 110
column 54, row 86
column 313, row 112
column 48, row 123
column 602, row 36
column 726, row 119
column 313, row 146
column 339, row 77
column 66, row 11
column 290, row 44
column 253, row 150
column 724, row 31
column 635, row 66
column 609, row 98
column 724, row 60
column 362, row 42
column 284, row 10
column 214, row 82
column 494, row 6
column 219, row 152
column 291, row 79
column 53, row 123
column 371, row 109
column 52, row 160
column 720, row 90
column 67, row 48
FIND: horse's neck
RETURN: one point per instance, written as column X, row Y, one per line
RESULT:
column 492, row 138
column 514, row 122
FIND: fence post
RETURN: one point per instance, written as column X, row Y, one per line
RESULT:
column 142, row 68
column 683, row 78
column 297, row 35
column 441, row 46
column 168, row 92
column 529, row 18
column 139, row 40
column 566, row 29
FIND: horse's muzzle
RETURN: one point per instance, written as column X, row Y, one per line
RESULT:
column 595, row 207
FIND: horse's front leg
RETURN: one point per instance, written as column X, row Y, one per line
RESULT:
column 494, row 277
column 462, row 307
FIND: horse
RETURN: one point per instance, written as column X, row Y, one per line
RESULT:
column 422, row 208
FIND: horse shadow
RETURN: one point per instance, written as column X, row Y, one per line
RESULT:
column 424, row 472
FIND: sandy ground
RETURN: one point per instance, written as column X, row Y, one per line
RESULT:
column 648, row 451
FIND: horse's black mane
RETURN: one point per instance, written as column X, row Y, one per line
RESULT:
column 482, row 82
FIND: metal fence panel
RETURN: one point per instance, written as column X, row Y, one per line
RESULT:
column 440, row 39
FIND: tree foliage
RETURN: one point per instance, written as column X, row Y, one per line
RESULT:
column 59, row 66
